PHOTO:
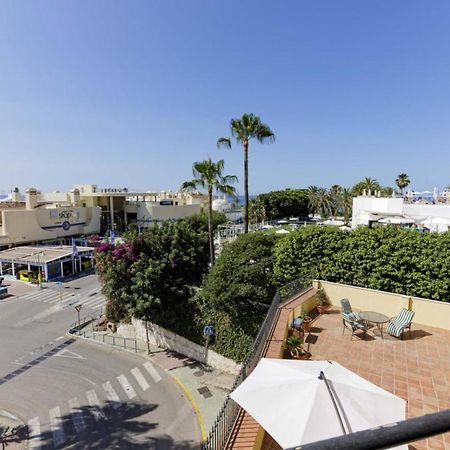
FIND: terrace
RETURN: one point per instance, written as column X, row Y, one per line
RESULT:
column 416, row 369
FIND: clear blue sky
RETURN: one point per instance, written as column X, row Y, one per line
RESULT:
column 130, row 93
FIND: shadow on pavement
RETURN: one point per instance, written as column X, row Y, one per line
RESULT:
column 121, row 428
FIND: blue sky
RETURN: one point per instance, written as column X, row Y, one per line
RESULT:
column 122, row 93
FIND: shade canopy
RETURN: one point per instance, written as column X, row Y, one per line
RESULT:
column 287, row 398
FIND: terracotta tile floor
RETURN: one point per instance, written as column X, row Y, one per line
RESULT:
column 416, row 369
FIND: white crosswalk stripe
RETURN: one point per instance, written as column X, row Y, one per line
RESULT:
column 34, row 433
column 152, row 371
column 59, row 436
column 140, row 378
column 77, row 415
column 112, row 395
column 126, row 386
column 94, row 403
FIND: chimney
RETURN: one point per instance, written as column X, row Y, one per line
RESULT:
column 15, row 195
column 31, row 198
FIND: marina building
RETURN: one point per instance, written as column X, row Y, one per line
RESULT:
column 86, row 209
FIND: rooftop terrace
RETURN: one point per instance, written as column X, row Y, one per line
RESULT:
column 416, row 369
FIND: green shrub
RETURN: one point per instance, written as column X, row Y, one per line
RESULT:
column 384, row 258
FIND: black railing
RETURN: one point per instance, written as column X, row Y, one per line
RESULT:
column 387, row 436
column 223, row 425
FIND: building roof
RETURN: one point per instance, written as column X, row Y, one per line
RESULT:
column 40, row 254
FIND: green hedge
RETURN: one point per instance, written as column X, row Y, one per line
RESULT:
column 384, row 258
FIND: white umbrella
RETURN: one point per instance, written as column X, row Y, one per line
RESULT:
column 291, row 401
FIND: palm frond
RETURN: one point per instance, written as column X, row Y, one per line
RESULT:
column 224, row 142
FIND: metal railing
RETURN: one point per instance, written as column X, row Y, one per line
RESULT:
column 387, row 436
column 115, row 341
column 223, row 425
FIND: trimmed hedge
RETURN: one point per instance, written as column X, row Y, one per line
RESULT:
column 384, row 258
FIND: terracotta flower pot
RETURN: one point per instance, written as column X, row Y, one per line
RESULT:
column 306, row 324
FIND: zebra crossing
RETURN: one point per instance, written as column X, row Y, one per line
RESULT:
column 92, row 299
column 67, row 420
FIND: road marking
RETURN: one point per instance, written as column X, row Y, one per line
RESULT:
column 152, row 371
column 126, row 386
column 59, row 437
column 34, row 433
column 112, row 395
column 140, row 378
column 77, row 415
column 93, row 301
column 94, row 403
column 64, row 353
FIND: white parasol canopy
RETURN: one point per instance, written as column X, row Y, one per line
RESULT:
column 289, row 400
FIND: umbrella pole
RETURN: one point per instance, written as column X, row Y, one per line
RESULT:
column 323, row 378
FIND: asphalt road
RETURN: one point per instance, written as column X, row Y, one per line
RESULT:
column 74, row 394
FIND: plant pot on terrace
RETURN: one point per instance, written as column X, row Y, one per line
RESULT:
column 322, row 301
column 294, row 348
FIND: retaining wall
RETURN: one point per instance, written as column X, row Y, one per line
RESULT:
column 167, row 339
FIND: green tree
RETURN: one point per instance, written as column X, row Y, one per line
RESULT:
column 312, row 195
column 280, row 204
column 334, row 194
column 346, row 204
column 208, row 175
column 243, row 130
column 237, row 293
column 366, row 184
column 402, row 181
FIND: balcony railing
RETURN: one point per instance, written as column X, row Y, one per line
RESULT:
column 223, row 425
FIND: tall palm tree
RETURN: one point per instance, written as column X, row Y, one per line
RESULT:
column 208, row 175
column 243, row 130
column 402, row 181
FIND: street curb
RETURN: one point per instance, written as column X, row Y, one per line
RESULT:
column 190, row 397
column 180, row 384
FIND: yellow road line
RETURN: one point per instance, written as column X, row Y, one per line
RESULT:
column 194, row 405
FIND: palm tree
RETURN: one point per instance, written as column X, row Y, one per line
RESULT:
column 367, row 184
column 402, row 181
column 324, row 204
column 208, row 175
column 243, row 130
column 311, row 194
column 334, row 193
column 346, row 204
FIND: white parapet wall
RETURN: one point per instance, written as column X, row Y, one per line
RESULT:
column 171, row 341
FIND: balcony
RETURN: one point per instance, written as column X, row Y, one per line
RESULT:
column 416, row 368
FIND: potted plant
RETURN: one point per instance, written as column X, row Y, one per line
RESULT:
column 322, row 301
column 294, row 345
column 306, row 325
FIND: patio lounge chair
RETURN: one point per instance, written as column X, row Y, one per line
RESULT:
column 351, row 318
column 398, row 324
column 347, row 311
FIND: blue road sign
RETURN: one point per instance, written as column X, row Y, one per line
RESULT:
column 208, row 330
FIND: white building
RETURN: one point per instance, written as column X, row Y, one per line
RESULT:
column 368, row 209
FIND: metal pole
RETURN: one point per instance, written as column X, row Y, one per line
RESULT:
column 39, row 271
column 323, row 378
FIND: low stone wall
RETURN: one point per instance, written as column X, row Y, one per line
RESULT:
column 427, row 312
column 167, row 339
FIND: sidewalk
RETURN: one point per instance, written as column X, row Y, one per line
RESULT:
column 205, row 388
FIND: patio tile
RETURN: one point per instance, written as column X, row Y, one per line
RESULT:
column 416, row 369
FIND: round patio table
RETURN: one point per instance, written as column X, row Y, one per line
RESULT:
column 376, row 318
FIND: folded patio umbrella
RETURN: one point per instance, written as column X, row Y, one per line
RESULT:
column 298, row 402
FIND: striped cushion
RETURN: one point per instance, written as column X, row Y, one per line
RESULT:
column 403, row 320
